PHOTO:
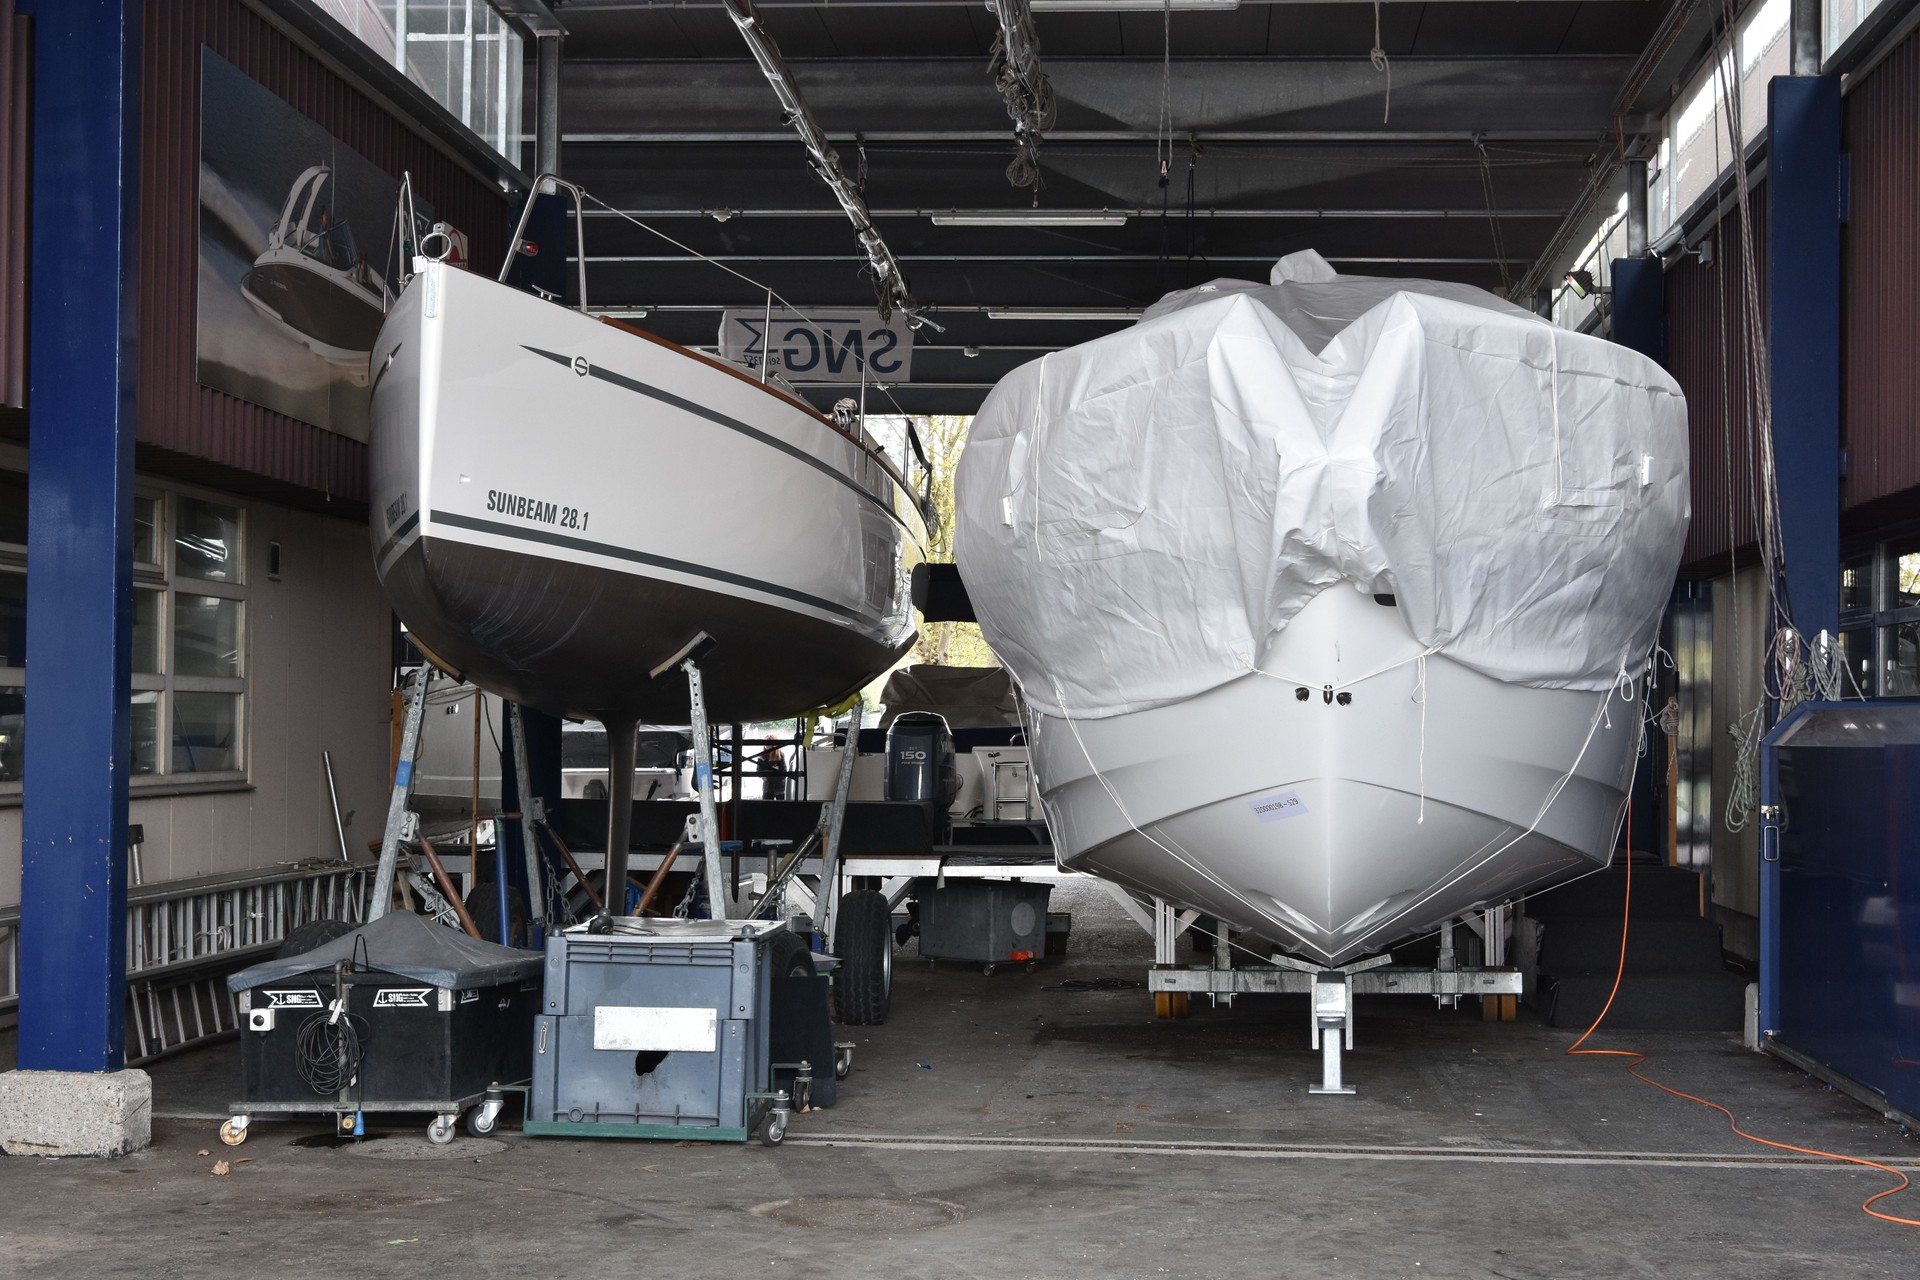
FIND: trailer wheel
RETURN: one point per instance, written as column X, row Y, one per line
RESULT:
column 791, row 956
column 863, row 988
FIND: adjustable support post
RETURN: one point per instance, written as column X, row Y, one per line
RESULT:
column 1332, row 1030
column 832, row 823
column 533, row 812
column 703, row 786
column 396, row 828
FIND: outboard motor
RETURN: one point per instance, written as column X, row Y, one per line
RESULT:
column 921, row 767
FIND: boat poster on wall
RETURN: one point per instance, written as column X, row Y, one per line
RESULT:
column 300, row 254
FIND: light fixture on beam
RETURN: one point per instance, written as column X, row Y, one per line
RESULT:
column 1062, row 313
column 622, row 313
column 1028, row 218
column 1127, row 6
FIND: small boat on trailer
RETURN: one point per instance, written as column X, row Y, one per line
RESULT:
column 1322, row 595
column 563, row 503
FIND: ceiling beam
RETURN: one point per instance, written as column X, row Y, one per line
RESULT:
column 724, row 215
column 1113, row 98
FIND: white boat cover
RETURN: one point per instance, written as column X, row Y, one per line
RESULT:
column 1138, row 516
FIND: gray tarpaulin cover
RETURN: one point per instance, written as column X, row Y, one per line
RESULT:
column 405, row 944
column 968, row 697
column 1138, row 516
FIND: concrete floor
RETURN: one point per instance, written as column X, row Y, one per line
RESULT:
column 996, row 1128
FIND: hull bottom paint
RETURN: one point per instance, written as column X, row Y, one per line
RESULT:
column 577, row 639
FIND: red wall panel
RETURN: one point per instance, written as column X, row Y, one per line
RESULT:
column 1881, row 319
column 1707, row 347
column 188, row 429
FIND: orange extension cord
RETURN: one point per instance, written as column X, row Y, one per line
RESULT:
column 1633, row 1067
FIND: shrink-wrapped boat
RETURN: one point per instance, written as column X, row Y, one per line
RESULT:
column 1328, row 597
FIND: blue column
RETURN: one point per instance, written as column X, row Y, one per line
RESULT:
column 73, row 892
column 1640, row 306
column 1803, row 325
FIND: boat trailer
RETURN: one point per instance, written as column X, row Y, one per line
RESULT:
column 1331, row 1014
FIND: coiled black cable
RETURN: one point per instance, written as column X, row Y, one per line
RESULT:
column 328, row 1054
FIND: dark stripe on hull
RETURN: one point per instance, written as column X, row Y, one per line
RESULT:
column 578, row 640
column 550, row 539
column 406, row 527
column 732, row 424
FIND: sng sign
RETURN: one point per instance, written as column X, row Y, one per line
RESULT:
column 835, row 346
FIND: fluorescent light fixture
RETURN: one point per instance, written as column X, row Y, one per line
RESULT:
column 1062, row 313
column 1127, row 6
column 1028, row 218
column 622, row 313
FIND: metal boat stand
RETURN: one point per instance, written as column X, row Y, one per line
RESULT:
column 1332, row 991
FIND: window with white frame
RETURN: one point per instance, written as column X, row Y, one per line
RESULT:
column 189, row 634
column 461, row 51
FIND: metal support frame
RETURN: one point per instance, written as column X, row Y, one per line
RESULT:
column 85, row 198
column 1803, row 349
column 397, row 816
column 717, row 901
column 533, row 813
column 1332, row 990
column 831, row 854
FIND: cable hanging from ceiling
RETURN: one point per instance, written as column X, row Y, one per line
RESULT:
column 889, row 281
column 1014, row 63
column 1378, row 56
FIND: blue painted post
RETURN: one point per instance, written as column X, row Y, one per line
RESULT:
column 73, row 889
column 1640, row 306
column 1803, row 345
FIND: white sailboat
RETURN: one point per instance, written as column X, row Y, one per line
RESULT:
column 560, row 503
column 1323, row 595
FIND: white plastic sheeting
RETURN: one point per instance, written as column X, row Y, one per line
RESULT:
column 1138, row 516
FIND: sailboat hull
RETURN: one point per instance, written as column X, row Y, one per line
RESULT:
column 560, row 505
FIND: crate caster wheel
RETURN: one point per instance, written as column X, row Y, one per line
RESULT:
column 440, row 1132
column 1032, row 965
column 234, row 1131
column 483, row 1117
column 1169, row 1004
column 988, row 970
column 842, row 1061
column 775, row 1130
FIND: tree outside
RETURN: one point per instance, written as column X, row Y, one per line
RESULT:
column 944, row 436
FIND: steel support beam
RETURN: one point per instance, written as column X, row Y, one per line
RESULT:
column 546, row 125
column 1636, row 208
column 1640, row 306
column 1803, row 32
column 1803, row 348
column 73, row 882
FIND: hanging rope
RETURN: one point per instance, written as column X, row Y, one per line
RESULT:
column 1493, row 213
column 1378, row 56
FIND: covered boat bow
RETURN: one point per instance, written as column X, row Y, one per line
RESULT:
column 1320, row 591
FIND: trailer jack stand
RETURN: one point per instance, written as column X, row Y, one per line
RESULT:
column 1332, row 1014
